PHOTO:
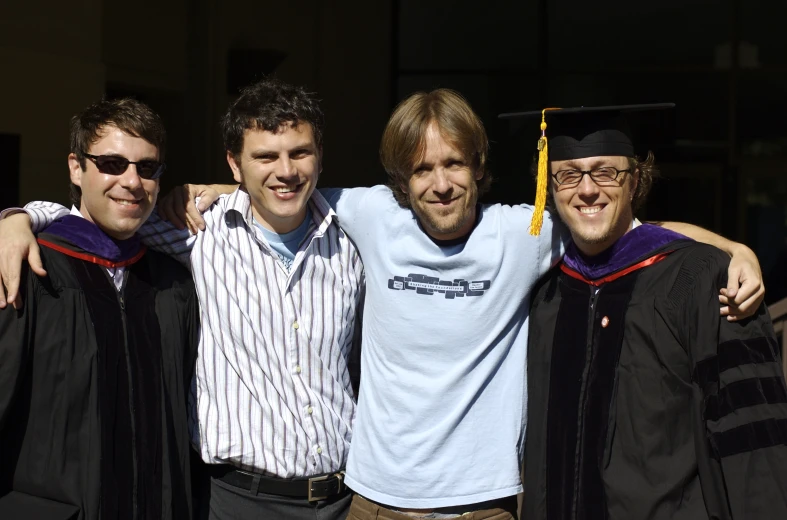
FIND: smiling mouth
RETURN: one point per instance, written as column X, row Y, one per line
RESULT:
column 288, row 189
column 125, row 202
column 590, row 210
column 444, row 202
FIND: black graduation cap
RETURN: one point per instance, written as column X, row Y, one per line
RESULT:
column 576, row 133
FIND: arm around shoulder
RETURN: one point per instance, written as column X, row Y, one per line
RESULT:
column 740, row 403
column 745, row 290
column 17, row 244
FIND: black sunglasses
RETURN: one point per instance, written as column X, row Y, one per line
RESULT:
column 117, row 165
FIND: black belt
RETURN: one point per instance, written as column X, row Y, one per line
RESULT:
column 312, row 489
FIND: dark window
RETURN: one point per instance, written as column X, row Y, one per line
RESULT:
column 9, row 166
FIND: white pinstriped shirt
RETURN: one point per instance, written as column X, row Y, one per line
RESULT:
column 272, row 390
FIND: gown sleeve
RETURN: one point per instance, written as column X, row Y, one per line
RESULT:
column 194, row 331
column 16, row 334
column 740, row 400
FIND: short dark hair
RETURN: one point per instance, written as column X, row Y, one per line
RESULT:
column 268, row 105
column 404, row 138
column 129, row 115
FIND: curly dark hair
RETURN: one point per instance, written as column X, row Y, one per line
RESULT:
column 268, row 105
column 648, row 171
column 404, row 138
column 127, row 114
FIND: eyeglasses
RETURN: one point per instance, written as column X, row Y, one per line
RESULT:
column 604, row 176
column 117, row 165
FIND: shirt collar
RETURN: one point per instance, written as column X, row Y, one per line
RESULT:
column 322, row 214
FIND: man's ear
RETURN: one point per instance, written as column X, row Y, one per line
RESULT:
column 75, row 170
column 634, row 183
column 319, row 160
column 235, row 167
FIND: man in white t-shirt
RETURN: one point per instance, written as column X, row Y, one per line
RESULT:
column 441, row 412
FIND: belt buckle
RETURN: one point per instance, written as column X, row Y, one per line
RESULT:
column 311, row 497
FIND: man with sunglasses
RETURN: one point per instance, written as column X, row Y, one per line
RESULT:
column 643, row 401
column 95, row 365
column 433, row 386
column 273, row 402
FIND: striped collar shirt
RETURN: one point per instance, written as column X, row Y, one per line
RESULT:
column 272, row 391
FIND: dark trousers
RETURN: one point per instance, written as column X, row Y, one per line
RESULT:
column 217, row 500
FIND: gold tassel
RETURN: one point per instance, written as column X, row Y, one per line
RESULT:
column 541, row 180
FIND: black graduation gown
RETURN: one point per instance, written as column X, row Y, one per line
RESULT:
column 93, row 392
column 667, row 412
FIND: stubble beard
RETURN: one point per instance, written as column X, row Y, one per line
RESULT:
column 452, row 222
column 609, row 235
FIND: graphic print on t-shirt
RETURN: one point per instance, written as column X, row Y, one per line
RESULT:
column 424, row 284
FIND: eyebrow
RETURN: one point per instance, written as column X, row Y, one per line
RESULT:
column 422, row 164
column 261, row 152
column 457, row 157
column 121, row 156
column 571, row 165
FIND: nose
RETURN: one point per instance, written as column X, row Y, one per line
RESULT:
column 440, row 182
column 288, row 168
column 587, row 186
column 130, row 178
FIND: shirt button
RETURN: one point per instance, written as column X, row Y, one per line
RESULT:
column 297, row 369
column 319, row 451
column 309, row 410
column 295, row 325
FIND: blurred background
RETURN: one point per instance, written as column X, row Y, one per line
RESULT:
column 723, row 151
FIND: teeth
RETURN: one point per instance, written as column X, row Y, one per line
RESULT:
column 284, row 190
column 590, row 210
column 125, row 202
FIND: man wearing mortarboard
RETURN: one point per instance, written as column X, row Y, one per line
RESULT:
column 429, row 438
column 644, row 403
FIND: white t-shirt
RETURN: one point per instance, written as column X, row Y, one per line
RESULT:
column 441, row 413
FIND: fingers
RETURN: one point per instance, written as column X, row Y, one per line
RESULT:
column 181, row 210
column 194, row 215
column 733, row 279
column 11, row 283
column 194, row 227
column 207, row 194
column 17, row 244
column 34, row 260
column 744, row 292
column 745, row 309
column 750, row 295
column 751, row 291
column 3, row 301
column 168, row 208
column 748, row 307
column 10, row 270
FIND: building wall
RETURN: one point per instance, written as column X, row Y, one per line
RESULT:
column 50, row 56
column 61, row 56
